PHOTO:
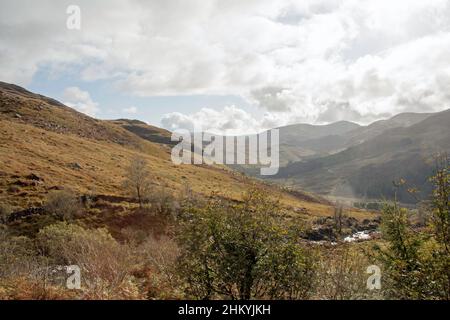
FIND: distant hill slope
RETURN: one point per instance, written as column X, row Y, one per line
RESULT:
column 303, row 132
column 368, row 169
column 376, row 128
column 303, row 141
column 145, row 131
column 45, row 145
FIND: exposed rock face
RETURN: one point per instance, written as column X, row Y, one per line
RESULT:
column 25, row 213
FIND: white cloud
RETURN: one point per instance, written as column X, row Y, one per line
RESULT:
column 229, row 121
column 311, row 60
column 80, row 100
column 130, row 110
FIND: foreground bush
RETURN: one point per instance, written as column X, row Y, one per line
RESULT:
column 342, row 273
column 417, row 262
column 241, row 251
column 106, row 265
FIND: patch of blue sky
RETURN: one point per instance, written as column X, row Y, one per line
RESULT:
column 112, row 101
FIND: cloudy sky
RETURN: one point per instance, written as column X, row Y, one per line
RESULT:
column 232, row 65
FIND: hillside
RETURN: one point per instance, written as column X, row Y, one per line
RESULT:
column 45, row 145
column 304, row 141
column 367, row 169
column 376, row 128
column 145, row 131
column 303, row 132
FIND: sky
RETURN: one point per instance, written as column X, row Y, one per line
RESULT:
column 232, row 66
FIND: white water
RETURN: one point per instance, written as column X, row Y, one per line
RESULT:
column 359, row 236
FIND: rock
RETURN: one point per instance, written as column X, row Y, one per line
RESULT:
column 25, row 213
column 56, row 188
column 320, row 233
column 301, row 210
column 21, row 183
column 18, row 116
column 373, row 226
column 34, row 177
column 75, row 165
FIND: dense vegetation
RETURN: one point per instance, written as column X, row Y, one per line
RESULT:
column 416, row 259
column 243, row 251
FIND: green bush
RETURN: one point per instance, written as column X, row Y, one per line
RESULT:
column 105, row 265
column 417, row 262
column 242, row 251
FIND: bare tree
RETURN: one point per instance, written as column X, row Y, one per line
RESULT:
column 137, row 180
column 338, row 218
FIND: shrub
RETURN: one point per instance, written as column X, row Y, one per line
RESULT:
column 159, row 256
column 417, row 262
column 105, row 264
column 341, row 273
column 241, row 251
column 19, row 266
column 163, row 201
column 17, row 255
column 63, row 203
column 5, row 211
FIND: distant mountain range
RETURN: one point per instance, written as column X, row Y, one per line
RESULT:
column 347, row 160
column 303, row 141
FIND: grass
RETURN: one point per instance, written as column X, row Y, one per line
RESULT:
column 66, row 149
column 26, row 150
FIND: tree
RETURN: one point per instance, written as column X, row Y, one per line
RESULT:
column 338, row 218
column 417, row 262
column 401, row 257
column 440, row 224
column 242, row 251
column 137, row 179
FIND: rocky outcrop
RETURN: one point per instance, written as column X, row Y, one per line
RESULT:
column 25, row 213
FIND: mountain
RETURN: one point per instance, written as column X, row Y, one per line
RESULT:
column 45, row 145
column 301, row 141
column 365, row 133
column 304, row 141
column 382, row 155
column 296, row 133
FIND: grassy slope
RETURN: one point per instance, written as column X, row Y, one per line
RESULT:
column 40, row 136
